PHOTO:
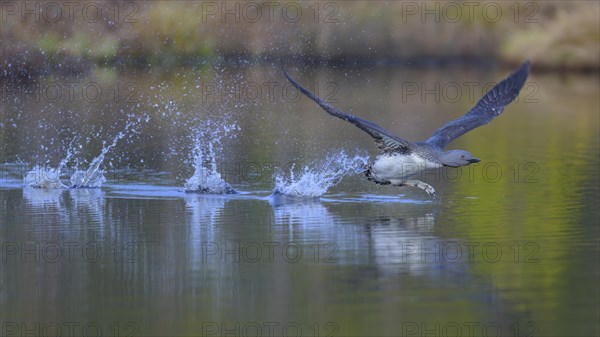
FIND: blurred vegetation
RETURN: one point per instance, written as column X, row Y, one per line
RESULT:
column 553, row 34
column 571, row 39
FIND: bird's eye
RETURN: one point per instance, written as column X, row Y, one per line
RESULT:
column 463, row 156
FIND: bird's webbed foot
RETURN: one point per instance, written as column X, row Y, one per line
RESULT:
column 424, row 186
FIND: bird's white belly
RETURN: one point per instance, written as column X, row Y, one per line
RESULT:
column 397, row 169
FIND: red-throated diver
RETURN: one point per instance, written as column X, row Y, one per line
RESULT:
column 400, row 159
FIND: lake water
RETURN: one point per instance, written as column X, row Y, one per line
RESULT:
column 509, row 246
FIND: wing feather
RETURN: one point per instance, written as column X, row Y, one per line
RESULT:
column 488, row 108
column 385, row 140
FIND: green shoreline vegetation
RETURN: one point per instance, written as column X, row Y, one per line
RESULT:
column 554, row 35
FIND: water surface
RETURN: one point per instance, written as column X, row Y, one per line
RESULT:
column 508, row 247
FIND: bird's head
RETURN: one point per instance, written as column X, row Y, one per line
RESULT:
column 457, row 158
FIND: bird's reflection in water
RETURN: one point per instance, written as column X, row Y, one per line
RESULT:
column 409, row 245
column 310, row 222
column 392, row 237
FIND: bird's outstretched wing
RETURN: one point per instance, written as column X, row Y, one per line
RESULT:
column 488, row 108
column 386, row 141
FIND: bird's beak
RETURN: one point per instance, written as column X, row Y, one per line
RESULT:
column 474, row 160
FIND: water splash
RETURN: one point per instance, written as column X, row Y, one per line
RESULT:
column 93, row 176
column 207, row 148
column 314, row 181
column 45, row 176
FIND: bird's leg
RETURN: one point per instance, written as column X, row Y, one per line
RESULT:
column 417, row 183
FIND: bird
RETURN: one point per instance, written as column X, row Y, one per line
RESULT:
column 399, row 160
